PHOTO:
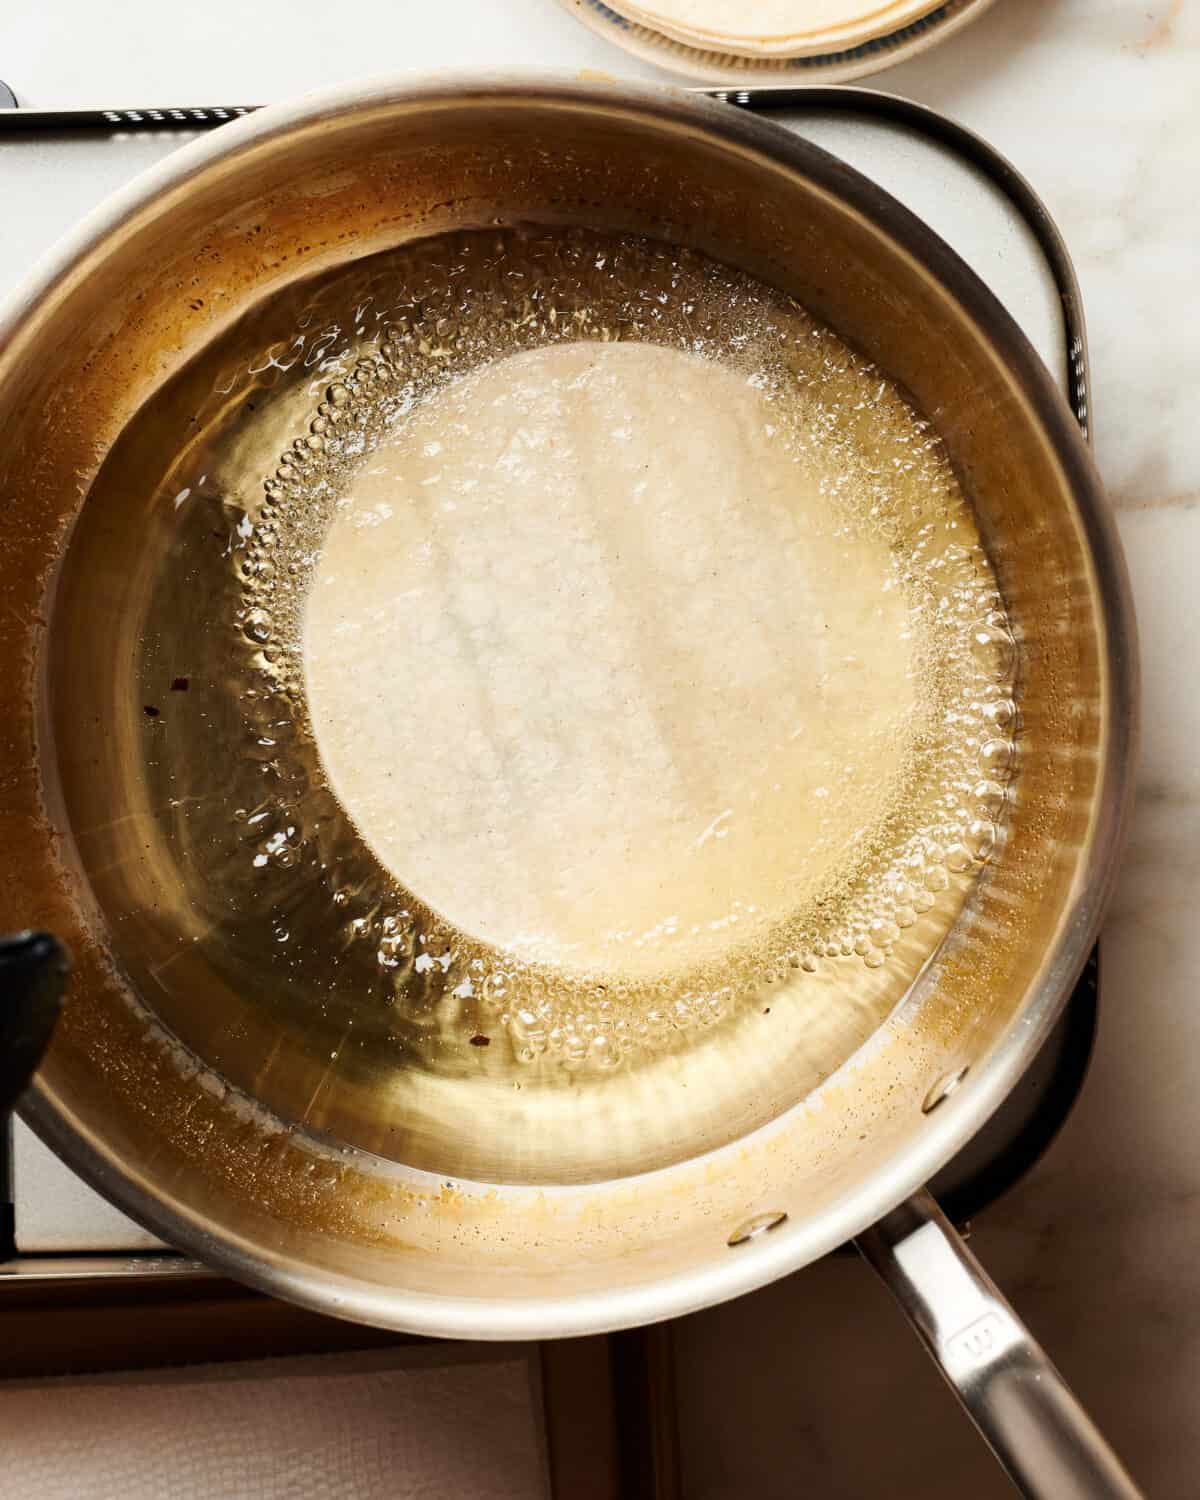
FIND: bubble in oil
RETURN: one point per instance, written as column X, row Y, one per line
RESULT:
column 1001, row 713
column 258, row 626
column 994, row 649
column 989, row 798
column 996, row 756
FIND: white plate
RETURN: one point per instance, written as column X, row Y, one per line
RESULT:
column 822, row 67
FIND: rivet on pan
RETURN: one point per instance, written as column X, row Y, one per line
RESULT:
column 752, row 1228
column 942, row 1090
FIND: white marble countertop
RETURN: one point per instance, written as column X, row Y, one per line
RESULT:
column 813, row 1386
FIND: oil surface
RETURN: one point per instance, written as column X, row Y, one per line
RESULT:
column 560, row 647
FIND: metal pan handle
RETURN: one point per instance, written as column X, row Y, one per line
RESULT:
column 1037, row 1429
column 33, row 975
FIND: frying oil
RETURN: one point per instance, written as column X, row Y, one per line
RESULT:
column 573, row 752
column 571, row 703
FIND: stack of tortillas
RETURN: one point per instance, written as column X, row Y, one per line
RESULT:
column 774, row 28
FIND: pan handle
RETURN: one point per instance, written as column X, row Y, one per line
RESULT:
column 1014, row 1395
column 33, row 975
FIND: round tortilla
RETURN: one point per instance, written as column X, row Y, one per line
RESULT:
column 594, row 668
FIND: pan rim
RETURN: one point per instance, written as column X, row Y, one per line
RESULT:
column 728, row 1274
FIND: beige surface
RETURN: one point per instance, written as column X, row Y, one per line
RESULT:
column 424, row 1424
column 56, row 1211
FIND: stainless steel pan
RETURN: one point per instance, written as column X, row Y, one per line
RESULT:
column 207, row 1144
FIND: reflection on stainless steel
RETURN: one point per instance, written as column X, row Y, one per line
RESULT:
column 1035, row 1426
column 294, row 191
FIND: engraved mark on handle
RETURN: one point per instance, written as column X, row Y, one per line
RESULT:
column 978, row 1340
